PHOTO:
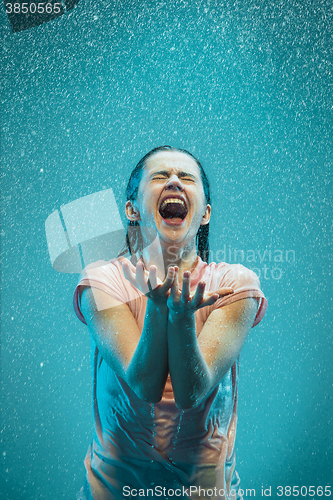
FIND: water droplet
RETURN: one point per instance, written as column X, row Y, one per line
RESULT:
column 178, row 429
column 152, row 415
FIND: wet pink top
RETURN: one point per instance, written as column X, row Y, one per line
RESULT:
column 150, row 446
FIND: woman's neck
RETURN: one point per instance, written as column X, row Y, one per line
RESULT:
column 167, row 255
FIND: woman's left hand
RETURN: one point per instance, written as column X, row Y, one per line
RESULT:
column 185, row 301
column 148, row 282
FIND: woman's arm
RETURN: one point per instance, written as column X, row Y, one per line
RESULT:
column 196, row 365
column 141, row 360
column 148, row 369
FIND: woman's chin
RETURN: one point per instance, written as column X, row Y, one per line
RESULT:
column 174, row 232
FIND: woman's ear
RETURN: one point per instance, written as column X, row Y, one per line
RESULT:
column 206, row 218
column 131, row 212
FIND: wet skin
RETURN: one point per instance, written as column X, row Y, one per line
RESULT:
column 144, row 359
column 171, row 174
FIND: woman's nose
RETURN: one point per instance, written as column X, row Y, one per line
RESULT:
column 174, row 183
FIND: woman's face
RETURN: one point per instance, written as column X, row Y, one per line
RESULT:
column 171, row 197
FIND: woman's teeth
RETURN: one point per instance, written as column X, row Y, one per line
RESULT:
column 173, row 208
column 172, row 200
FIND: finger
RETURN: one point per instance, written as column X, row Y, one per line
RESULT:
column 175, row 284
column 128, row 273
column 211, row 297
column 152, row 280
column 222, row 292
column 199, row 293
column 141, row 278
column 186, row 286
column 169, row 279
column 209, row 301
column 127, row 262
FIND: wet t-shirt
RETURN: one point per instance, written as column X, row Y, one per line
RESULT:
column 157, row 450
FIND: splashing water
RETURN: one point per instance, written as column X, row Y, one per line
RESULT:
column 152, row 414
column 177, row 431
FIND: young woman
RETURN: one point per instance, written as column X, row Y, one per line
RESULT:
column 166, row 337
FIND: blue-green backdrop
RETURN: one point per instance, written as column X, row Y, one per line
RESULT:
column 247, row 87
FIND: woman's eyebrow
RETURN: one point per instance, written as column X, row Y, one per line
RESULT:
column 167, row 174
column 186, row 174
column 160, row 172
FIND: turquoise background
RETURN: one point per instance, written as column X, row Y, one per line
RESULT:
column 247, row 87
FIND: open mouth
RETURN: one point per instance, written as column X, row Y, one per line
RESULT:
column 173, row 209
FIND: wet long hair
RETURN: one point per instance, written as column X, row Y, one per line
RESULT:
column 134, row 240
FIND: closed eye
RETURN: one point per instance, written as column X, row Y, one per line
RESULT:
column 183, row 178
column 187, row 179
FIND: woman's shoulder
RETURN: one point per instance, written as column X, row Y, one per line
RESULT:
column 233, row 274
column 244, row 282
column 107, row 277
column 102, row 268
column 226, row 267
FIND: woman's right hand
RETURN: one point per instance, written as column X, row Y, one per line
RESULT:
column 185, row 301
column 147, row 282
